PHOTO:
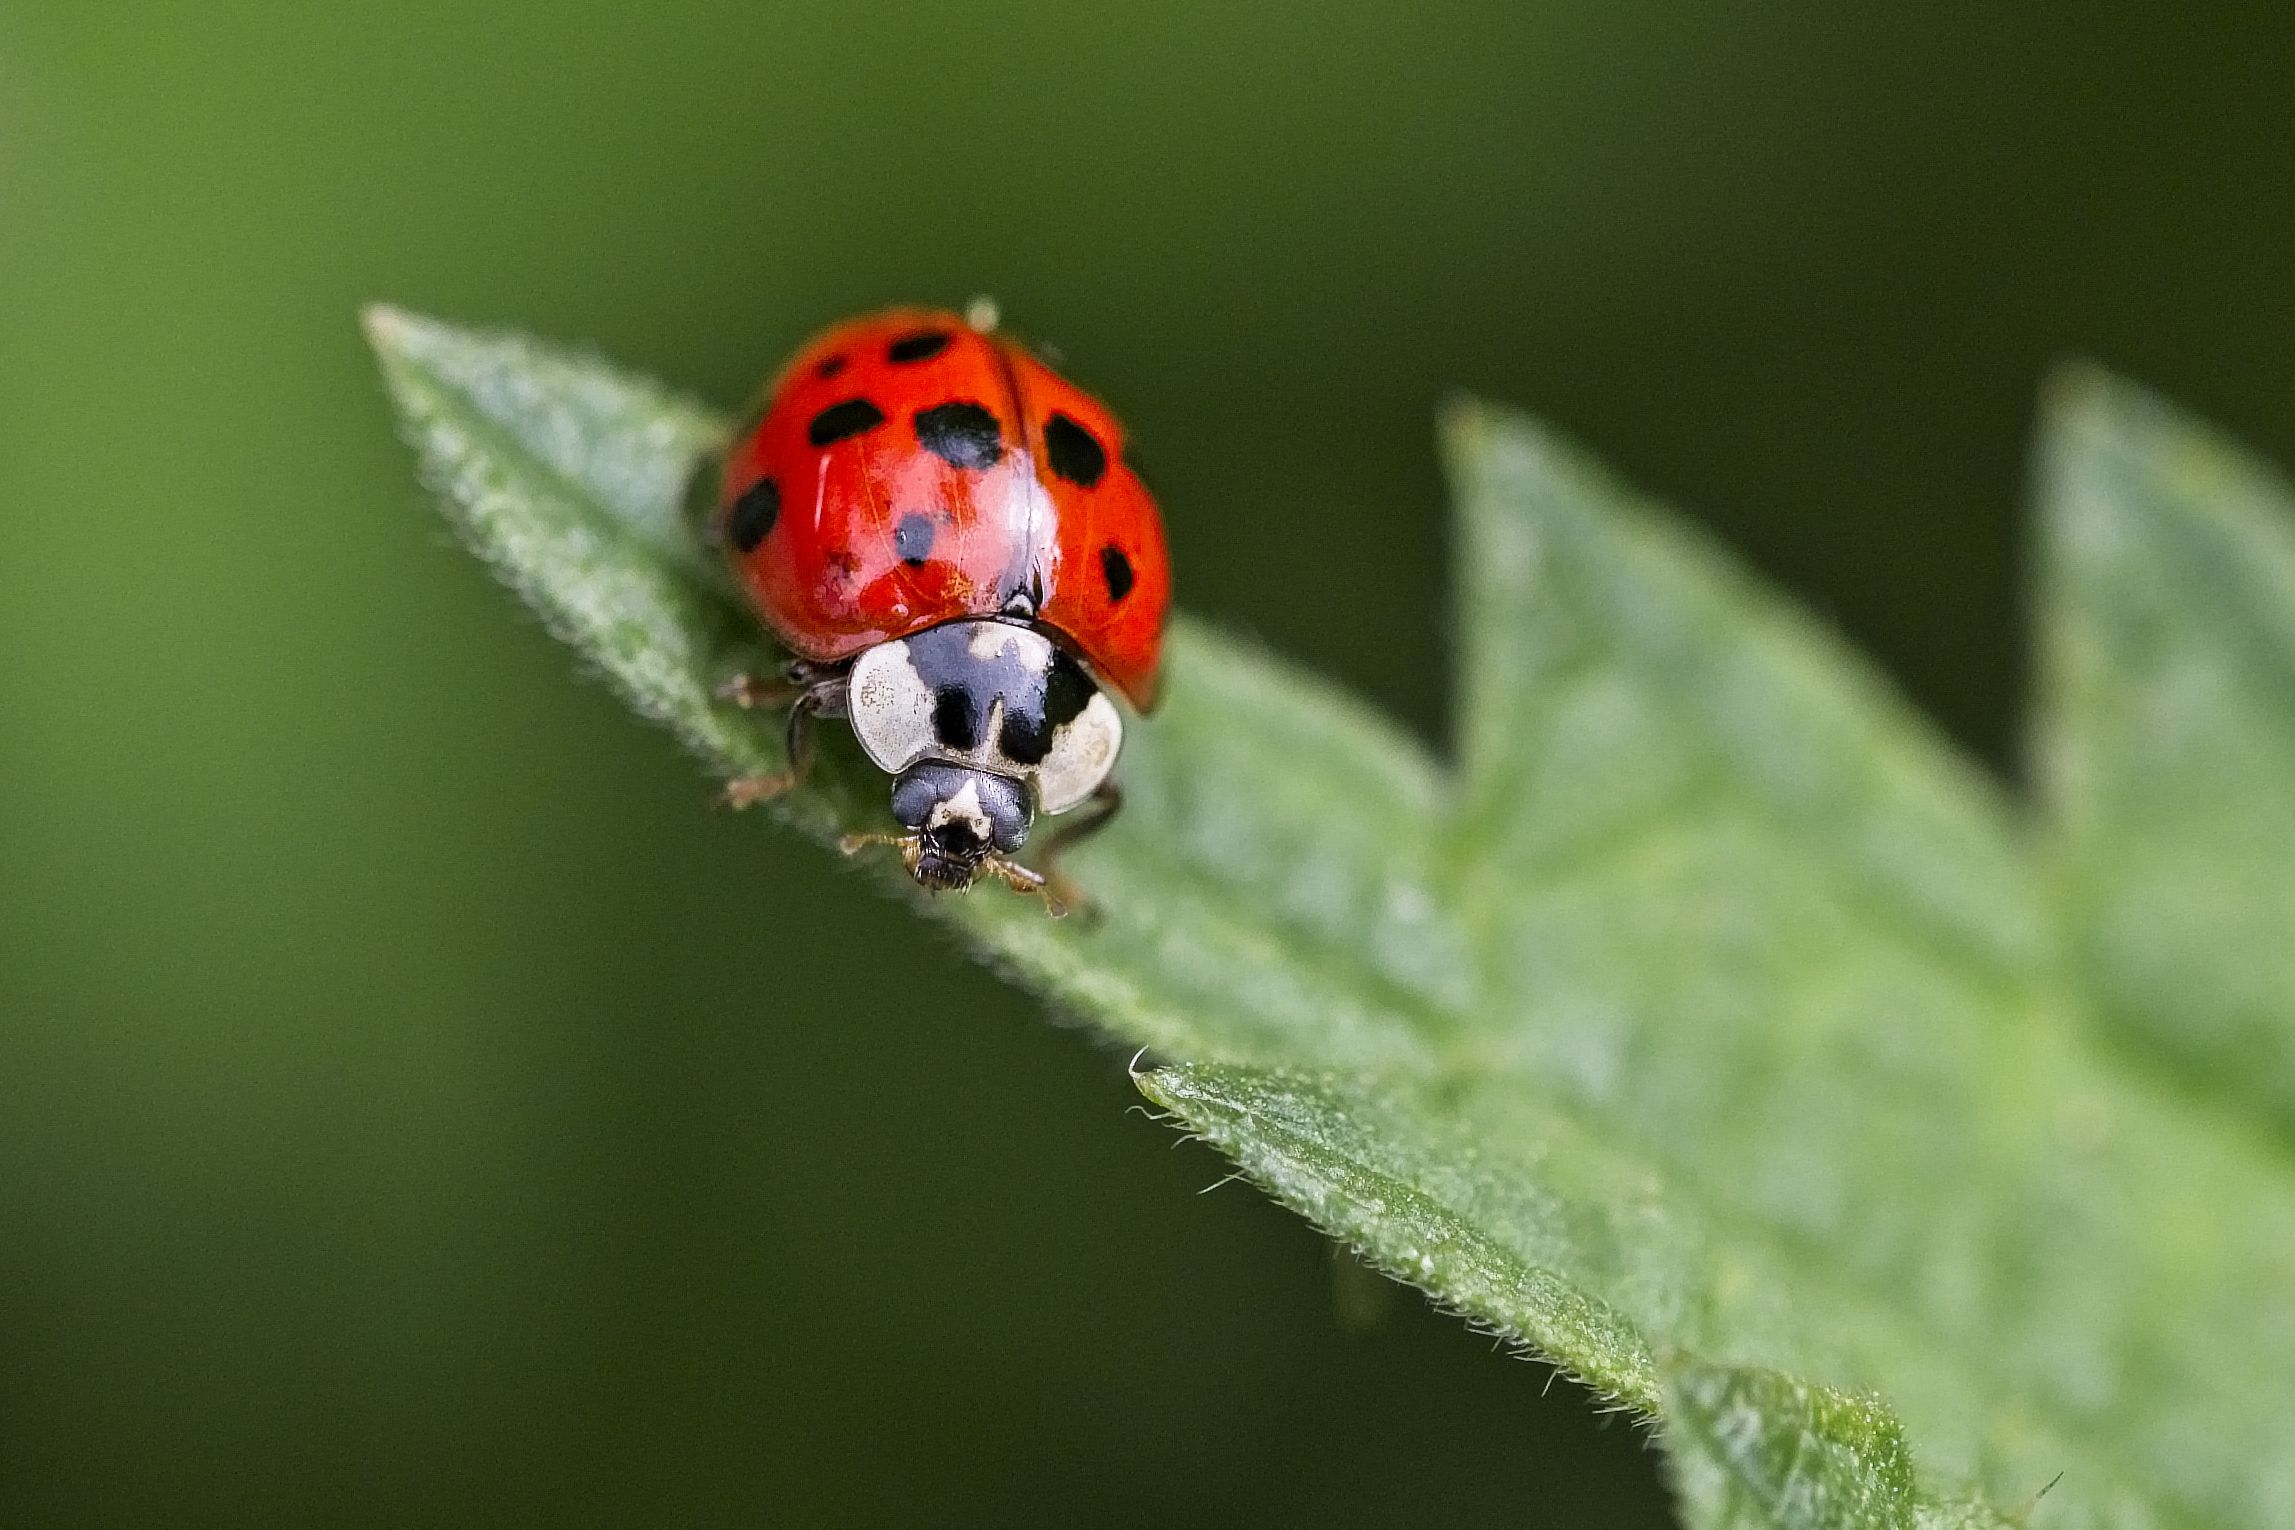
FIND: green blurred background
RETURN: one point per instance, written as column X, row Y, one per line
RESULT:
column 416, row 1107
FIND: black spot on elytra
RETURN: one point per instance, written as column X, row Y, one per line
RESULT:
column 830, row 366
column 753, row 515
column 923, row 345
column 912, row 539
column 848, row 418
column 1118, row 570
column 960, row 434
column 956, row 718
column 1074, row 452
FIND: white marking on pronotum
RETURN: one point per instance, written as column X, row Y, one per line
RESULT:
column 1083, row 752
column 991, row 638
column 891, row 708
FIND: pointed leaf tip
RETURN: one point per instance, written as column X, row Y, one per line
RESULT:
column 1461, row 417
column 2077, row 384
column 379, row 322
column 386, row 326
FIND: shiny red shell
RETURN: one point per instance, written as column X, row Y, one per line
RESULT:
column 909, row 470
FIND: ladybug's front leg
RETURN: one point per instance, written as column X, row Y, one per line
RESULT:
column 819, row 697
column 1061, row 891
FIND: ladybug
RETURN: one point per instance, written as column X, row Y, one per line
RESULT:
column 947, row 534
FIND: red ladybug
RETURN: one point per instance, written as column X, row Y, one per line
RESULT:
column 946, row 533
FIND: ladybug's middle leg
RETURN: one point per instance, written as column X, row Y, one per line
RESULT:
column 798, row 676
column 820, row 698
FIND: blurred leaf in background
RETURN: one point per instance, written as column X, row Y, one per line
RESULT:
column 413, row 1104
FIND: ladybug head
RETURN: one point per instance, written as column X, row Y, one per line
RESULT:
column 961, row 821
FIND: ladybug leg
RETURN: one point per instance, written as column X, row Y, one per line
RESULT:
column 1021, row 880
column 822, row 698
column 749, row 693
column 907, row 844
column 798, row 676
column 1011, row 873
column 1060, row 889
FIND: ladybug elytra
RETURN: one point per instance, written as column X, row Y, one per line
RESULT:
column 946, row 533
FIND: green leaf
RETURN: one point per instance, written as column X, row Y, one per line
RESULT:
column 1711, row 1008
column 1753, row 1450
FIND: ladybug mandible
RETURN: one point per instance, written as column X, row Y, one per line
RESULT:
column 946, row 533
